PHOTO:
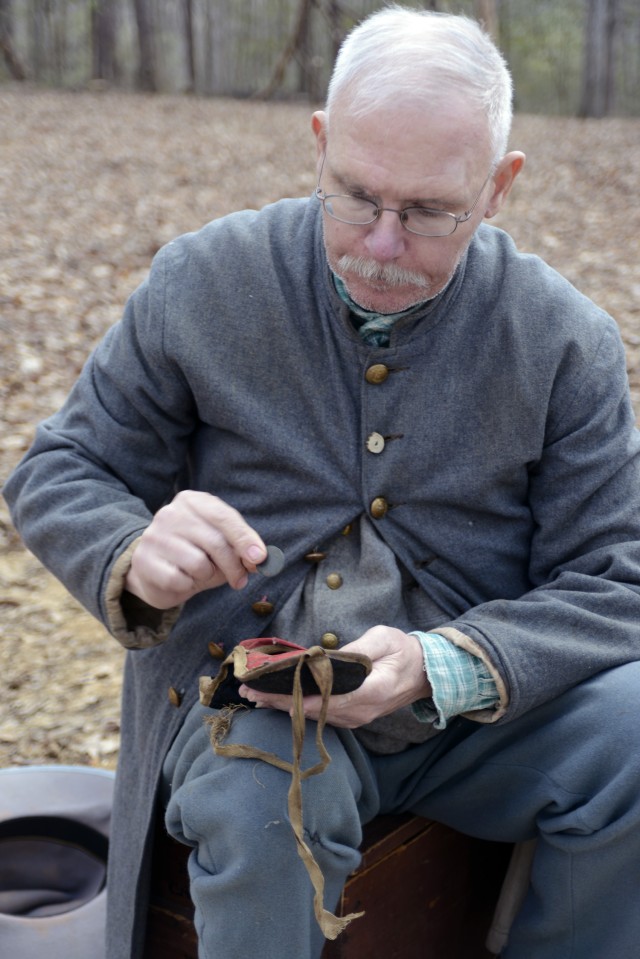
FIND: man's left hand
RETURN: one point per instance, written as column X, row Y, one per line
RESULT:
column 398, row 678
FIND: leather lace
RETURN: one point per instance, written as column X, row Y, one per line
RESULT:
column 322, row 670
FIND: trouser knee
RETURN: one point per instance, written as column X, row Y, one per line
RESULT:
column 245, row 801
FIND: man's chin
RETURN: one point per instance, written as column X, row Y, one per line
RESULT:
column 380, row 298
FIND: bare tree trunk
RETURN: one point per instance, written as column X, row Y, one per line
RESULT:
column 37, row 39
column 187, row 6
column 598, row 77
column 302, row 54
column 58, row 32
column 308, row 79
column 486, row 12
column 147, row 66
column 504, row 31
column 209, row 73
column 293, row 45
column 14, row 65
column 103, row 37
column 334, row 15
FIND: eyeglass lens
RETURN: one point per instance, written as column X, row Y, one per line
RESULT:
column 359, row 212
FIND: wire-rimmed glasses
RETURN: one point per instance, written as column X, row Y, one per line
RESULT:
column 423, row 221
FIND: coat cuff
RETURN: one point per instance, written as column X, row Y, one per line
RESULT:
column 465, row 642
column 134, row 623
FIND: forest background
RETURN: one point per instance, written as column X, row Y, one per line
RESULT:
column 578, row 57
column 97, row 171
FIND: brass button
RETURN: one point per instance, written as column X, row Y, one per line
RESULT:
column 329, row 641
column 348, row 529
column 379, row 507
column 375, row 443
column 376, row 374
column 262, row 607
column 334, row 580
column 175, row 697
column 216, row 650
column 315, row 556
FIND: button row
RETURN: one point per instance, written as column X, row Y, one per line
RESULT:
column 315, row 556
column 376, row 374
column 379, row 507
column 376, row 443
column 329, row 641
column 263, row 607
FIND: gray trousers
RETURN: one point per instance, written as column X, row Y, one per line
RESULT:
column 567, row 773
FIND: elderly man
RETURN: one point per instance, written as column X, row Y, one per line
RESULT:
column 437, row 432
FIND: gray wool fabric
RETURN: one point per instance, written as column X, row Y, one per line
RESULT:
column 512, row 490
column 374, row 590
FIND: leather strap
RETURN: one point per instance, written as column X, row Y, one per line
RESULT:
column 322, row 670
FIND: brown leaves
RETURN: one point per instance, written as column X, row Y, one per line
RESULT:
column 60, row 672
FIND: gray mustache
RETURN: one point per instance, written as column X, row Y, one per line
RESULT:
column 389, row 273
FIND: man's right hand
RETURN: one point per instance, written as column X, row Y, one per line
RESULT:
column 194, row 543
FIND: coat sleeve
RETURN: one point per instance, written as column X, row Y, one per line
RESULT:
column 583, row 614
column 80, row 497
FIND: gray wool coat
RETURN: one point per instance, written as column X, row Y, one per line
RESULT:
column 513, row 490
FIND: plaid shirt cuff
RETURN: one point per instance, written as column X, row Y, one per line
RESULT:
column 460, row 682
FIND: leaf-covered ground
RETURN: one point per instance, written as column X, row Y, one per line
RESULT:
column 91, row 185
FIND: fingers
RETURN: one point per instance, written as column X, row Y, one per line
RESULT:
column 271, row 700
column 397, row 679
column 196, row 542
column 341, row 710
column 219, row 534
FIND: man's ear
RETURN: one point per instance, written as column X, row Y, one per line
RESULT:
column 503, row 179
column 319, row 127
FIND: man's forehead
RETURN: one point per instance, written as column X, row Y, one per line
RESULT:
column 428, row 105
column 449, row 124
column 424, row 149
column 409, row 174
column 446, row 191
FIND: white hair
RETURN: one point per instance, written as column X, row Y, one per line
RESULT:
column 400, row 54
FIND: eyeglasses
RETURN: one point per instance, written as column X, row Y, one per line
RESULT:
column 420, row 220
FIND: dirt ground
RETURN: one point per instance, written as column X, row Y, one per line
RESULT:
column 91, row 185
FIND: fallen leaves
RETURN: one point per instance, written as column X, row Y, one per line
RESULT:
column 60, row 672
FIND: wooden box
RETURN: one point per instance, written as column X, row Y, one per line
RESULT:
column 427, row 892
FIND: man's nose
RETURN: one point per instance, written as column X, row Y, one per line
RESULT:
column 386, row 238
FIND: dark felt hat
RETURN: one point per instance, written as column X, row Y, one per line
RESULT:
column 54, row 837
